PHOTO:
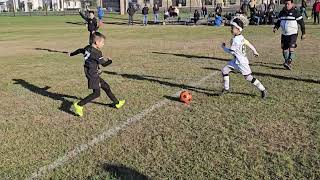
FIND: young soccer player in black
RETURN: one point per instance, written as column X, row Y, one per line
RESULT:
column 92, row 24
column 93, row 58
column 289, row 18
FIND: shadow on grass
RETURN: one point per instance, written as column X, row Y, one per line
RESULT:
column 125, row 173
column 263, row 64
column 193, row 56
column 154, row 79
column 267, row 66
column 65, row 105
column 76, row 23
column 51, row 50
column 172, row 98
column 277, row 76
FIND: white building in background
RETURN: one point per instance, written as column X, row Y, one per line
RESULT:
column 32, row 5
column 3, row 5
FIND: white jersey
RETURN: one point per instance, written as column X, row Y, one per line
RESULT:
column 238, row 49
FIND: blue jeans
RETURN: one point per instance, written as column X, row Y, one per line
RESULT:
column 303, row 11
column 258, row 19
column 156, row 18
column 145, row 19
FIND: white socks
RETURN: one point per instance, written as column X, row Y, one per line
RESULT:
column 226, row 82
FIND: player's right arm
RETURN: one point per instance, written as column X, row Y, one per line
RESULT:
column 83, row 16
column 227, row 50
column 78, row 51
column 277, row 25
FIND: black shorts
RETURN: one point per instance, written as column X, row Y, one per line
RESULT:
column 93, row 78
column 289, row 41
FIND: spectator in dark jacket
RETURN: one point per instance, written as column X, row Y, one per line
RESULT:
column 131, row 10
column 145, row 12
column 156, row 13
column 204, row 11
column 196, row 16
column 218, row 9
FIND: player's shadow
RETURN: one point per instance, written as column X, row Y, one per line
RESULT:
column 267, row 66
column 172, row 98
column 278, row 76
column 193, row 56
column 65, row 105
column 51, row 50
column 154, row 79
column 123, row 172
column 122, row 23
column 76, row 23
column 263, row 64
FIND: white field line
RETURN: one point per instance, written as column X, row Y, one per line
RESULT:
column 107, row 133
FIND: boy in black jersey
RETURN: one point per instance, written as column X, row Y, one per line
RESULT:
column 92, row 24
column 289, row 19
column 93, row 58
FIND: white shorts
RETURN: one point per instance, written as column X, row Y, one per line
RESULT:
column 243, row 68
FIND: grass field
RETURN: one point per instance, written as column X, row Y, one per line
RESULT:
column 237, row 136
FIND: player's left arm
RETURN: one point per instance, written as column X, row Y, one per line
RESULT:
column 247, row 43
column 104, row 62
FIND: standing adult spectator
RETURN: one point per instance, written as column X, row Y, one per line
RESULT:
column 131, row 11
column 156, row 13
column 303, row 8
column 271, row 14
column 263, row 11
column 100, row 13
column 196, row 16
column 252, row 6
column 315, row 11
column 204, row 11
column 218, row 9
column 145, row 12
column 244, row 9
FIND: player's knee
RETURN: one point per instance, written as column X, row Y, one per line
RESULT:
column 249, row 78
column 96, row 93
column 225, row 71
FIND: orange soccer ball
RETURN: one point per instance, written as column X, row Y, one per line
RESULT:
column 185, row 97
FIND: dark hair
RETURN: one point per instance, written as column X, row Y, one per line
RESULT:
column 288, row 0
column 98, row 35
column 91, row 12
column 238, row 22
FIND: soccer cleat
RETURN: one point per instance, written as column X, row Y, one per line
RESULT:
column 264, row 94
column 224, row 91
column 120, row 104
column 78, row 109
column 287, row 65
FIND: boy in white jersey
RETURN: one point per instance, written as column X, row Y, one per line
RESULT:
column 240, row 61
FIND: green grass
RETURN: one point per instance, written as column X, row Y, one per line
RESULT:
column 234, row 136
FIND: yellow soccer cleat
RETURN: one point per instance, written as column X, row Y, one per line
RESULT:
column 120, row 104
column 78, row 109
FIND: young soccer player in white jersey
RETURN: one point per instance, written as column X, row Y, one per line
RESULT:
column 240, row 61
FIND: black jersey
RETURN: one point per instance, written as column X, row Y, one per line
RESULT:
column 289, row 20
column 93, row 58
column 92, row 23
